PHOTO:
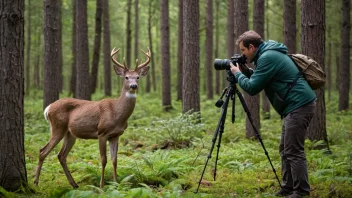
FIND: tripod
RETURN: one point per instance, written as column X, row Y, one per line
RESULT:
column 230, row 94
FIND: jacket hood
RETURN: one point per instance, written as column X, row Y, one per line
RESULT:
column 270, row 45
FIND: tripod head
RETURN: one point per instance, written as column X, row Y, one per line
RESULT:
column 232, row 86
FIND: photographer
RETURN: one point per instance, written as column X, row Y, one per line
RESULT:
column 275, row 72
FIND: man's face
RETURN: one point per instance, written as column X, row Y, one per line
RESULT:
column 248, row 52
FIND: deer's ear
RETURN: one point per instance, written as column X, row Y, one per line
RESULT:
column 119, row 71
column 143, row 71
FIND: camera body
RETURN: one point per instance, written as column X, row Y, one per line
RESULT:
column 221, row 64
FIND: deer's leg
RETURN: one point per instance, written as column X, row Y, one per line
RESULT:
column 69, row 141
column 102, row 148
column 56, row 137
column 114, row 145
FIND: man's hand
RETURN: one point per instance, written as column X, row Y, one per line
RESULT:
column 235, row 69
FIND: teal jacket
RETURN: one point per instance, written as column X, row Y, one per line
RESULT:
column 273, row 71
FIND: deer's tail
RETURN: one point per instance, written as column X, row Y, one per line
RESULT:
column 46, row 111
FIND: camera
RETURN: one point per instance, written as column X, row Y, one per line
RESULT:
column 221, row 64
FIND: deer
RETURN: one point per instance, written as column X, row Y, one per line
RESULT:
column 105, row 120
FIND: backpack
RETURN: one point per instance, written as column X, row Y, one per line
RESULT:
column 310, row 69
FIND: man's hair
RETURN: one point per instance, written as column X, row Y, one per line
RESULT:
column 250, row 37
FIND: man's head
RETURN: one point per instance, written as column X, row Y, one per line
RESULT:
column 249, row 43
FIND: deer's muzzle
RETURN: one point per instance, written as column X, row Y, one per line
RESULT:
column 134, row 86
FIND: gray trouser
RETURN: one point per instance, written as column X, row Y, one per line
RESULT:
column 293, row 158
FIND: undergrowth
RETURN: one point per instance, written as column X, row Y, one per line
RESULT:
column 162, row 154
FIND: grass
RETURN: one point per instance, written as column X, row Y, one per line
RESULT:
column 162, row 154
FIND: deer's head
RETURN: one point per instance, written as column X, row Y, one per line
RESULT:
column 131, row 76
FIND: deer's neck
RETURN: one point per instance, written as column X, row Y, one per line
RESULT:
column 126, row 103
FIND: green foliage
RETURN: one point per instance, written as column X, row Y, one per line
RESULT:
column 179, row 131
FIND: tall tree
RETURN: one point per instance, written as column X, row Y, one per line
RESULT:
column 107, row 65
column 344, row 83
column 151, row 11
column 28, row 48
column 97, row 42
column 165, row 55
column 209, row 50
column 290, row 25
column 313, row 45
column 74, row 51
column 83, row 88
column 13, row 173
column 136, row 25
column 230, row 40
column 51, row 55
column 59, row 49
column 216, row 53
column 128, row 33
column 191, row 97
column 36, row 75
column 180, row 50
column 258, row 26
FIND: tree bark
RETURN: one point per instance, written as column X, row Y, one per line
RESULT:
column 344, row 85
column 191, row 97
column 313, row 45
column 209, row 50
column 107, row 63
column 51, row 55
column 13, row 173
column 128, row 33
column 290, row 25
column 165, row 55
column 83, row 88
column 74, row 52
column 28, row 49
column 97, row 42
column 179, row 50
column 152, row 81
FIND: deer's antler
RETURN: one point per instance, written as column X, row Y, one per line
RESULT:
column 145, row 63
column 113, row 52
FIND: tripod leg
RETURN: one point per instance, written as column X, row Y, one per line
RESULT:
column 219, row 130
column 245, row 107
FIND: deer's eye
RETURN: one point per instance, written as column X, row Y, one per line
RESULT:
column 137, row 77
column 126, row 78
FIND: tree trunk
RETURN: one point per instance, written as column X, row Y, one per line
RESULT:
column 191, row 98
column 230, row 40
column 107, row 63
column 60, row 77
column 13, row 173
column 151, row 11
column 209, row 50
column 97, row 42
column 290, row 25
column 128, row 33
column 36, row 75
column 83, row 90
column 179, row 51
column 344, row 85
column 28, row 49
column 216, row 53
column 136, row 25
column 51, row 55
column 74, row 51
column 165, row 55
column 313, row 45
